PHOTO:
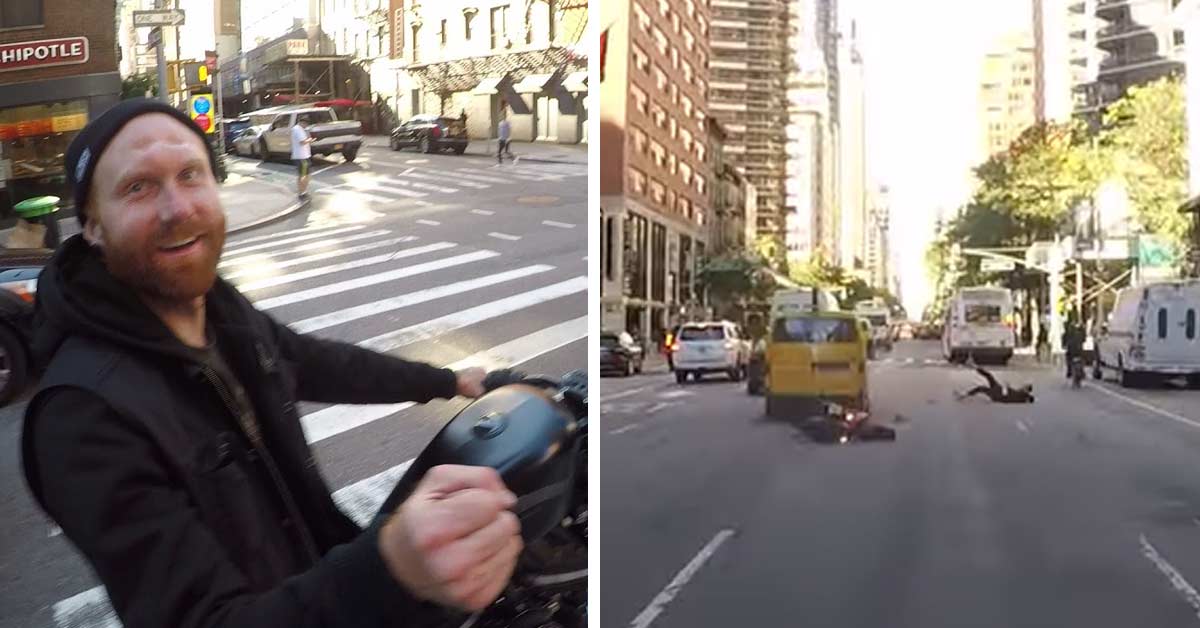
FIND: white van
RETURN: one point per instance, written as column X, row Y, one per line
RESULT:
column 1152, row 333
column 979, row 324
column 800, row 300
column 879, row 315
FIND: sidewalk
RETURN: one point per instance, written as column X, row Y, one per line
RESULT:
column 248, row 203
column 535, row 152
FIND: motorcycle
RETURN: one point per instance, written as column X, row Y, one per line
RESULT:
column 1076, row 371
column 533, row 431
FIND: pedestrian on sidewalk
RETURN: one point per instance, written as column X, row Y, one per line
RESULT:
column 504, row 132
column 165, row 441
column 302, row 154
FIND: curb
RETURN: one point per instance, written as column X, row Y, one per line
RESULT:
column 540, row 160
column 291, row 209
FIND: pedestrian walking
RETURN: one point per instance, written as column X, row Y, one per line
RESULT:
column 504, row 132
column 302, row 154
column 165, row 439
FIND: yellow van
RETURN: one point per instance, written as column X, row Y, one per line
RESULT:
column 814, row 358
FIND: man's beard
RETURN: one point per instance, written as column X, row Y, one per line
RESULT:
column 165, row 283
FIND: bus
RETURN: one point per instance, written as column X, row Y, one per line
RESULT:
column 979, row 324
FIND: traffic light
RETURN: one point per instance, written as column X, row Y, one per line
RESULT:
column 195, row 75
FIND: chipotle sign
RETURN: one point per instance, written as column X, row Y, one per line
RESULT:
column 31, row 54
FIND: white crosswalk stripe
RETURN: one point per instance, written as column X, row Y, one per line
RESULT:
column 460, row 181
column 284, row 260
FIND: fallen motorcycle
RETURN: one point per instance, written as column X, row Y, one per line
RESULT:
column 842, row 425
column 533, row 431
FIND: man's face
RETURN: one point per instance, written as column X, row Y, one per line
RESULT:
column 155, row 212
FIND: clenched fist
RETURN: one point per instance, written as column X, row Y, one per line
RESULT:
column 454, row 541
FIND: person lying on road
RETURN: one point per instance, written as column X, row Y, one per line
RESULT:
column 997, row 392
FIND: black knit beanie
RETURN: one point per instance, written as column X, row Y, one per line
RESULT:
column 89, row 144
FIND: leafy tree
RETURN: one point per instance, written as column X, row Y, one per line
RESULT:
column 1144, row 136
column 135, row 85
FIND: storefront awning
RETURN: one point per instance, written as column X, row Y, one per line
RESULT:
column 489, row 85
column 576, row 82
column 534, row 83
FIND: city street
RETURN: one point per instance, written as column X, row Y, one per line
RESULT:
column 438, row 258
column 1082, row 509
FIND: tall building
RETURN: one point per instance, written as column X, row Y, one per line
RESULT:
column 1139, row 42
column 749, row 49
column 812, row 134
column 655, row 175
column 878, row 241
column 1007, row 101
column 852, row 149
column 1056, row 40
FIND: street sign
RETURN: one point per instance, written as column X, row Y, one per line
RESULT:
column 200, row 109
column 169, row 17
column 993, row 265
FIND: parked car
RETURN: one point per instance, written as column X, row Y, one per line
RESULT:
column 1152, row 334
column 431, row 133
column 620, row 354
column 247, row 142
column 711, row 347
column 19, row 270
column 330, row 135
column 232, row 129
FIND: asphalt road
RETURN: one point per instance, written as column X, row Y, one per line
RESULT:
column 431, row 257
column 1082, row 509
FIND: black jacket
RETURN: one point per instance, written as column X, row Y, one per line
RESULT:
column 150, row 466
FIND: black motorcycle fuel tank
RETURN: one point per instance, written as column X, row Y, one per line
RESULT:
column 521, row 432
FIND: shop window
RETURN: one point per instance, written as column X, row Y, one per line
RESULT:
column 33, row 140
column 18, row 13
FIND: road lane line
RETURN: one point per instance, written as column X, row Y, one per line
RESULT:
column 320, row 170
column 623, row 393
column 1021, row 426
column 271, row 282
column 239, row 250
column 482, row 212
column 627, row 428
column 378, row 198
column 391, row 304
column 656, row 607
column 266, row 257
column 559, row 225
column 1143, row 405
column 504, row 236
column 1176, row 579
column 334, row 420
column 362, row 499
column 662, row 405
column 433, row 328
column 271, row 236
column 264, row 266
column 457, row 181
column 431, row 223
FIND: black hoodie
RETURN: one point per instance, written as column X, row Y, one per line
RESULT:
column 195, row 506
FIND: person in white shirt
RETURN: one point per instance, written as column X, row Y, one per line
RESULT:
column 302, row 153
column 504, row 132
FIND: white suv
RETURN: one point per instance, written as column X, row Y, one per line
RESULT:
column 711, row 347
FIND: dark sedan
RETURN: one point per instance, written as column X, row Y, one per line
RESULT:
column 619, row 354
column 431, row 133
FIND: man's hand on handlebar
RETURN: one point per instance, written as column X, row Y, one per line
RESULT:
column 470, row 382
column 454, row 541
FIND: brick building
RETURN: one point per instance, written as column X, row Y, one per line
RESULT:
column 58, row 69
column 656, row 173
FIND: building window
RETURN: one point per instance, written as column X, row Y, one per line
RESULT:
column 398, row 33
column 687, row 73
column 29, row 134
column 640, row 59
column 551, row 22
column 610, row 231
column 703, row 27
column 674, row 94
column 660, row 78
column 658, row 153
column 701, row 184
column 443, row 35
column 674, row 128
column 643, row 18
column 674, row 57
column 499, row 27
column 658, row 282
column 660, row 40
column 687, row 106
column 639, row 141
column 416, row 41
column 689, row 40
column 379, row 40
column 18, row 13
column 685, row 173
column 691, row 8
column 659, row 114
column 658, row 193
column 664, row 8
column 672, row 164
column 687, row 139
column 641, row 102
column 468, row 22
column 700, row 152
column 637, row 181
